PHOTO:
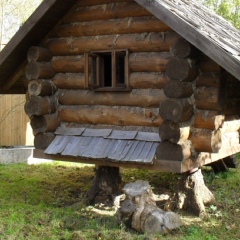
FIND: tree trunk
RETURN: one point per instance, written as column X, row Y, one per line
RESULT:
column 106, row 184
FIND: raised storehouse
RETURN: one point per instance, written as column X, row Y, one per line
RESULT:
column 142, row 84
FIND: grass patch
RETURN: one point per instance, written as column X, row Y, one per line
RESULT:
column 47, row 201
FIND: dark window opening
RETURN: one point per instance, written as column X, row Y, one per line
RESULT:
column 107, row 65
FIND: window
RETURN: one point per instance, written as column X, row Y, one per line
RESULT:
column 107, row 70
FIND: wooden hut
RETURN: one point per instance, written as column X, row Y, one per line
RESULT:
column 141, row 84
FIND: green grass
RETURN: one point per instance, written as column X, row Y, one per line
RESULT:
column 47, row 201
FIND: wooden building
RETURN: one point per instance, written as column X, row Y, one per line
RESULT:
column 141, row 84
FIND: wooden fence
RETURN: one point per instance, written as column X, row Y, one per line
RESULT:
column 15, row 129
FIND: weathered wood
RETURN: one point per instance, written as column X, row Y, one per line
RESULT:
column 139, row 98
column 176, row 89
column 39, row 70
column 38, row 54
column 182, row 69
column 69, row 80
column 105, row 12
column 230, row 139
column 36, row 105
column 209, row 98
column 231, row 124
column 176, row 110
column 207, row 65
column 120, row 116
column 233, row 90
column 206, row 140
column 173, row 132
column 146, row 42
column 45, row 123
column 169, row 151
column 123, row 26
column 232, row 106
column 147, row 80
column 84, row 3
column 41, row 88
column 43, row 140
column 209, row 80
column 181, row 48
column 208, row 120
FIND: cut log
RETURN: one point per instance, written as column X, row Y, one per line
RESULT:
column 107, row 183
column 38, row 54
column 181, row 69
column 39, row 70
column 139, row 98
column 206, row 140
column 105, row 12
column 209, row 98
column 173, row 132
column 176, row 89
column 176, row 110
column 45, row 123
column 147, row 42
column 36, row 105
column 147, row 80
column 183, row 49
column 41, row 88
column 120, row 116
column 208, row 120
column 96, row 28
column 43, row 140
column 209, row 80
column 69, row 81
column 169, row 151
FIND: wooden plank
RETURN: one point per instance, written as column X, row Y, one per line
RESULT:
column 84, row 143
column 104, row 150
column 137, row 152
column 72, row 147
column 118, row 134
column 130, row 152
column 91, row 151
column 145, row 151
column 119, row 150
column 53, row 146
column 148, row 137
column 62, row 130
column 151, row 153
column 88, row 132
column 128, row 147
column 114, row 150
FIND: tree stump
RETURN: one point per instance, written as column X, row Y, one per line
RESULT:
column 106, row 184
column 140, row 210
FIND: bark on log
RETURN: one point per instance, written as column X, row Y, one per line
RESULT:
column 209, row 80
column 139, row 98
column 36, row 105
column 69, row 81
column 120, row 116
column 208, row 120
column 96, row 28
column 207, row 65
column 209, row 98
column 146, row 42
column 43, row 140
column 39, row 70
column 181, row 69
column 176, row 110
column 147, row 80
column 45, row 123
column 173, row 132
column 176, row 89
column 167, row 150
column 38, row 54
column 105, row 12
column 183, row 49
column 206, row 140
column 41, row 88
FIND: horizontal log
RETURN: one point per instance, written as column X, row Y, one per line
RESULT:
column 230, row 124
column 182, row 69
column 173, row 132
column 207, row 65
column 230, row 139
column 206, row 140
column 120, row 116
column 44, row 123
column 145, row 42
column 138, row 98
column 39, row 70
column 123, row 26
column 147, row 80
column 36, row 105
column 38, row 54
column 84, row 3
column 173, row 152
column 209, row 98
column 181, row 48
column 43, row 140
column 41, row 88
column 69, row 80
column 105, row 12
column 176, row 89
column 208, row 120
column 209, row 80
column 176, row 110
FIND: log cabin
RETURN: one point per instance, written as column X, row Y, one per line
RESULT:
column 123, row 83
